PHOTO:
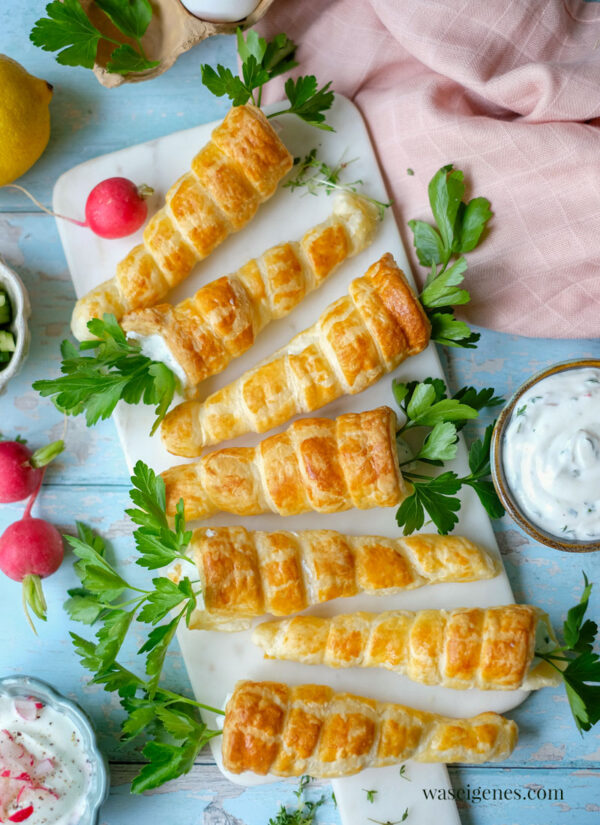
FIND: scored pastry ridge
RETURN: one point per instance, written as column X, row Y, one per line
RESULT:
column 230, row 177
column 309, row 729
column 356, row 340
column 246, row 574
column 222, row 320
column 316, row 464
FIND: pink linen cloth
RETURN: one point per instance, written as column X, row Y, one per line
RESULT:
column 507, row 91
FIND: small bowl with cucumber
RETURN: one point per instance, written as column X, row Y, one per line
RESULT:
column 14, row 332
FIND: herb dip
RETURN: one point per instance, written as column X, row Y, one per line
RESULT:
column 44, row 771
column 551, row 454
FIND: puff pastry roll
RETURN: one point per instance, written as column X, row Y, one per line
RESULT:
column 470, row 647
column 246, row 574
column 316, row 464
column 309, row 729
column 230, row 177
column 357, row 339
column 221, row 321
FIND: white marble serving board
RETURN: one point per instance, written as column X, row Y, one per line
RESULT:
column 215, row 661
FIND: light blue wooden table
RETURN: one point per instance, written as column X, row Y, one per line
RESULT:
column 90, row 482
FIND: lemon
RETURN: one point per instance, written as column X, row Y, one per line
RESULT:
column 24, row 119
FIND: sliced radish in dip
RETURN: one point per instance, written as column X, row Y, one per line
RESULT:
column 44, row 773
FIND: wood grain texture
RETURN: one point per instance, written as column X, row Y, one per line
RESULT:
column 90, row 481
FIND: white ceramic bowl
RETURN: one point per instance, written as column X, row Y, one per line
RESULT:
column 98, row 786
column 21, row 311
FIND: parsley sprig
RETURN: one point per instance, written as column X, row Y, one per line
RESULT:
column 69, row 31
column 117, row 371
column 107, row 600
column 459, row 227
column 578, row 664
column 426, row 405
column 314, row 174
column 261, row 61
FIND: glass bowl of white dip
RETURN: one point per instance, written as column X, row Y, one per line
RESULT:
column 51, row 770
column 545, row 456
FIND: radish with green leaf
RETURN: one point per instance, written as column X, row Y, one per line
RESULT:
column 30, row 549
column 21, row 471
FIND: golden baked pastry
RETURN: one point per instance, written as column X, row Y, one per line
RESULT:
column 230, row 177
column 245, row 574
column 309, row 729
column 316, row 464
column 221, row 321
column 469, row 647
column 356, row 340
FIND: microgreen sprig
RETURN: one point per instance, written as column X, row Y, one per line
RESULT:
column 314, row 175
column 577, row 663
column 403, row 818
column 117, row 371
column 106, row 599
column 459, row 227
column 261, row 61
column 304, row 814
column 69, row 31
column 426, row 405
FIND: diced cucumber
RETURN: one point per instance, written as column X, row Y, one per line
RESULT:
column 7, row 341
column 5, row 313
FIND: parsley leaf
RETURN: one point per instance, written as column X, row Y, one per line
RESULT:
column 223, row 82
column 157, row 543
column 577, row 663
column 436, row 497
column 459, row 229
column 261, row 61
column 423, row 409
column 580, row 636
column 446, row 190
column 118, row 371
column 442, row 292
column 449, row 332
column 69, row 31
column 478, row 399
column 131, row 17
column 125, row 60
column 425, row 404
column 440, row 443
column 428, row 243
column 474, row 217
column 308, row 101
column 151, row 709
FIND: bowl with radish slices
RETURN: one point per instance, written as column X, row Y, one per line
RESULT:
column 51, row 768
column 15, row 310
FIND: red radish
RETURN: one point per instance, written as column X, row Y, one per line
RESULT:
column 28, row 709
column 21, row 471
column 22, row 815
column 31, row 550
column 116, row 207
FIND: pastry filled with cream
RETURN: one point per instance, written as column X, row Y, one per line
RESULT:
column 471, row 647
column 310, row 729
column 198, row 337
column 247, row 574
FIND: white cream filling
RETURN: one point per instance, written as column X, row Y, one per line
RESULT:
column 155, row 347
